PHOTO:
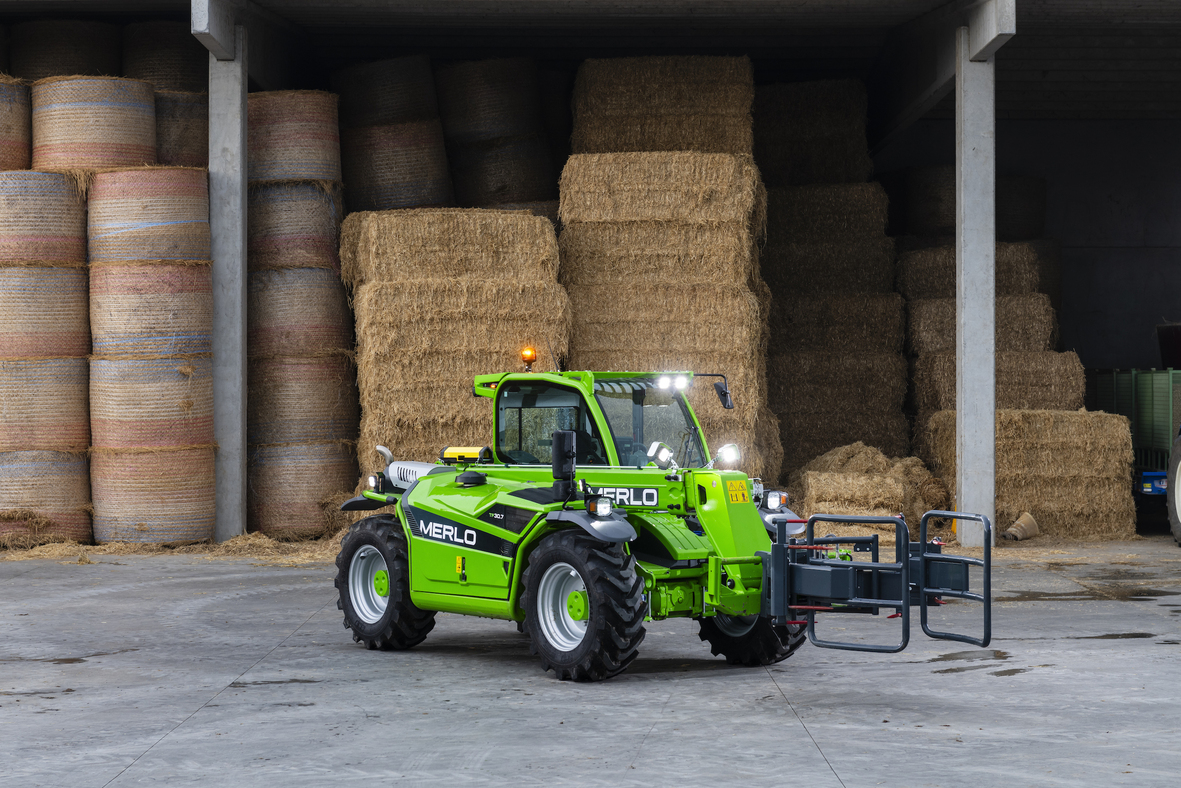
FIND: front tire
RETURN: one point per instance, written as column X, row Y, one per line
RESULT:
column 751, row 640
column 373, row 579
column 584, row 607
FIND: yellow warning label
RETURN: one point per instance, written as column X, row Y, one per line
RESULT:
column 459, row 564
column 738, row 492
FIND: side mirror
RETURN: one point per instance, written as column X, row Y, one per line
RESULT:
column 563, row 455
column 661, row 454
column 724, row 395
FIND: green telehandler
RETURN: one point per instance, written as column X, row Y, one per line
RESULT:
column 598, row 508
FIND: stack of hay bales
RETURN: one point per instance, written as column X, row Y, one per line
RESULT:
column 84, row 124
column 668, row 242
column 59, row 47
column 430, row 318
column 496, row 141
column 151, row 375
column 44, row 341
column 1071, row 469
column 391, row 137
column 811, row 132
column 302, row 406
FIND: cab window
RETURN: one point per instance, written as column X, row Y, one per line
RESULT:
column 528, row 414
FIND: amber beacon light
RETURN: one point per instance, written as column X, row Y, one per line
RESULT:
column 529, row 357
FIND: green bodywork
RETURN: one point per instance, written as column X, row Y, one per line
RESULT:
column 686, row 573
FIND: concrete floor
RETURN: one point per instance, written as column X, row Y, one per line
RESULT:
column 182, row 670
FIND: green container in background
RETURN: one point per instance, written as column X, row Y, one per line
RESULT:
column 1151, row 399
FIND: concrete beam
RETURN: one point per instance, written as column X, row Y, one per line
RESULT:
column 276, row 43
column 917, row 67
column 212, row 22
column 975, row 255
column 227, row 222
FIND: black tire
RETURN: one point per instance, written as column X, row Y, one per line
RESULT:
column 761, row 644
column 401, row 624
column 1173, row 490
column 615, row 600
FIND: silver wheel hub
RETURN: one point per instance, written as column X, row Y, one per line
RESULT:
column 369, row 584
column 560, row 629
column 735, row 626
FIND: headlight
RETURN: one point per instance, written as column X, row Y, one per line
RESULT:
column 772, row 500
column 599, row 506
column 372, row 482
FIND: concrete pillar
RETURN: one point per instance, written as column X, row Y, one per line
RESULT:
column 975, row 255
column 227, row 220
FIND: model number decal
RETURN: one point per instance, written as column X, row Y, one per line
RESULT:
column 629, row 496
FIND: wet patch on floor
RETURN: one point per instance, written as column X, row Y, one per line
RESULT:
column 240, row 684
column 1009, row 672
column 67, row 660
column 1115, row 636
column 1106, row 593
column 972, row 656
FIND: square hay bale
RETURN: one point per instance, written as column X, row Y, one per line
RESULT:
column 828, row 212
column 1049, row 269
column 835, row 267
column 624, row 253
column 842, row 322
column 662, row 187
column 812, row 132
column 870, row 495
column 650, row 133
column 1023, row 324
column 1024, row 381
column 664, row 86
column 930, row 272
column 806, row 436
column 447, row 243
column 819, row 382
column 1071, row 469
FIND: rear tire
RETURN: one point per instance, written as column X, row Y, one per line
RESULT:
column 1173, row 491
column 605, row 642
column 373, row 578
column 750, row 640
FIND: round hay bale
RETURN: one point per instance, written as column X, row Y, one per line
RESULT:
column 165, row 54
column 44, row 497
column 44, row 312
column 44, row 405
column 293, row 225
column 297, row 312
column 56, row 47
column 292, row 135
column 402, row 165
column 42, row 220
column 387, row 91
column 84, row 123
column 489, row 99
column 151, row 310
column 182, row 129
column 158, row 214
column 289, row 483
column 137, row 403
column 128, row 504
column 503, row 171
column 15, row 124
column 301, row 400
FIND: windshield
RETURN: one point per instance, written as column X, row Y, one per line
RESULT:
column 527, row 416
column 640, row 413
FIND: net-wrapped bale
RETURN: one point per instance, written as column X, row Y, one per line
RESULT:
column 293, row 225
column 1024, row 381
column 661, row 187
column 514, row 169
column 182, row 129
column 398, row 90
column 166, row 54
column 1023, row 324
column 138, row 403
column 43, row 312
column 819, row 381
column 930, row 272
column 44, row 497
column 15, row 124
column 297, row 312
column 128, row 506
column 399, row 165
column 151, row 310
column 929, row 207
column 56, row 47
column 294, row 399
column 812, row 132
column 489, row 99
column 626, row 252
column 87, row 123
column 827, row 213
column 42, row 220
column 1071, row 469
column 452, row 244
column 865, row 266
column 43, row 404
column 292, row 135
column 158, row 214
column 288, row 484
column 857, row 322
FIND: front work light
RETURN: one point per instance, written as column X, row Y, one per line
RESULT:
column 599, row 506
column 664, row 382
column 372, row 480
column 773, row 500
column 661, row 454
column 681, row 382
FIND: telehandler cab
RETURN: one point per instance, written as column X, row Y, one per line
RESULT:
column 597, row 509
